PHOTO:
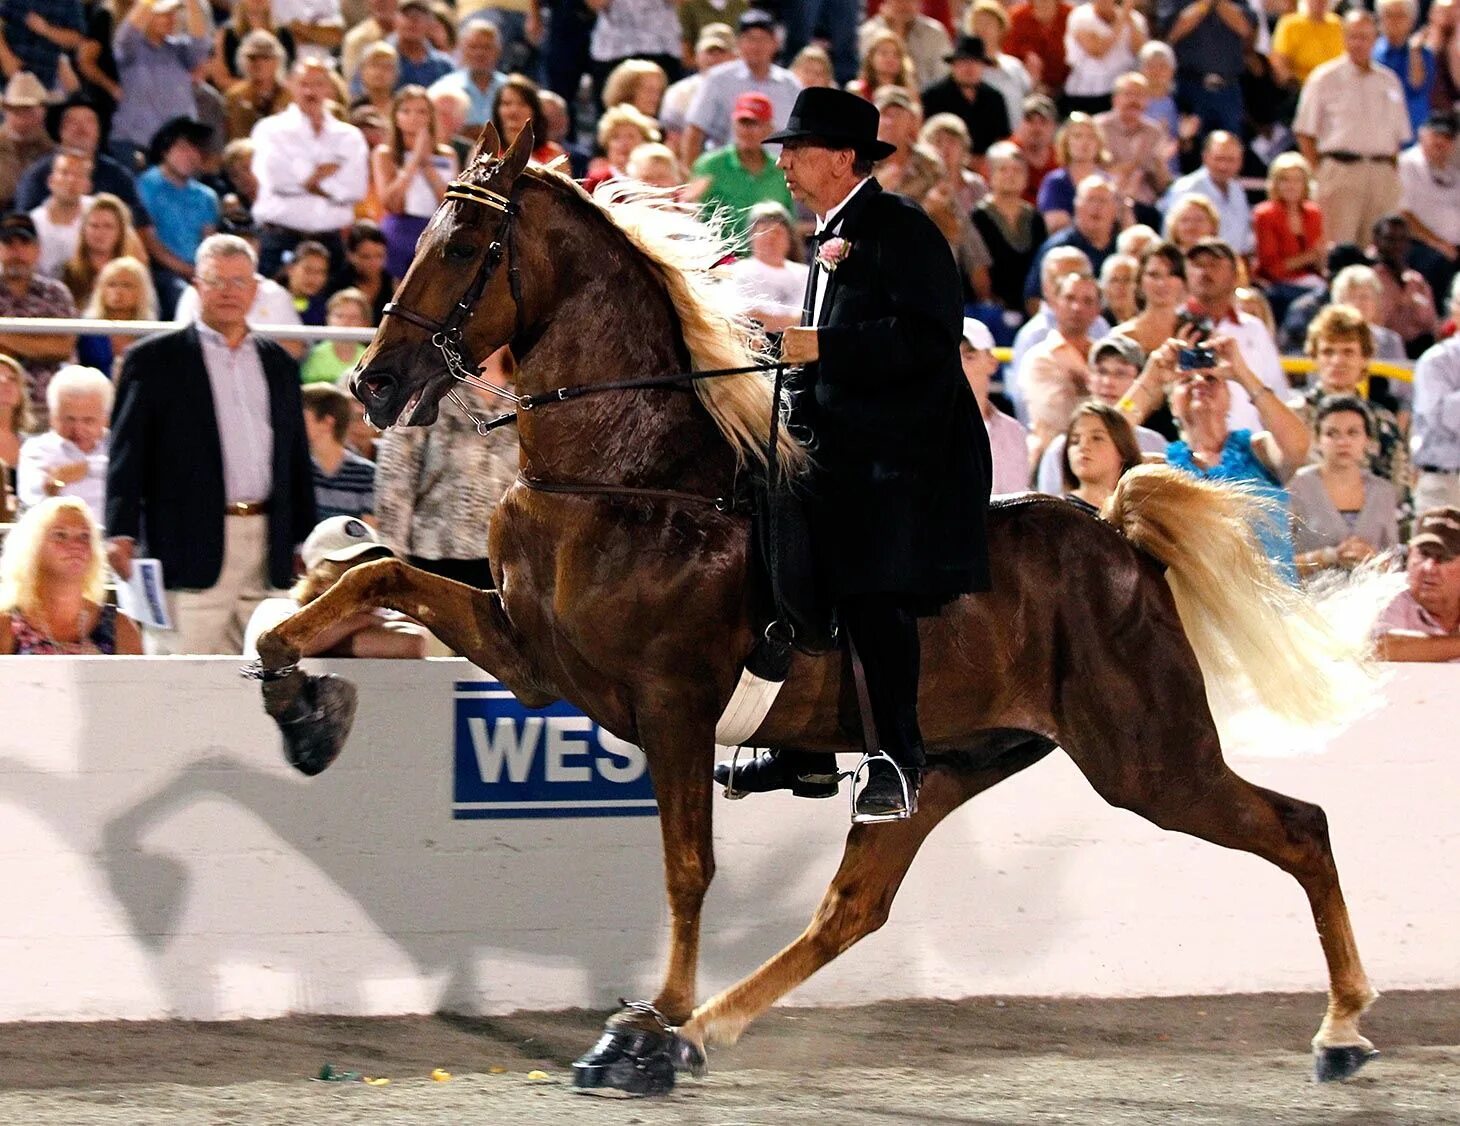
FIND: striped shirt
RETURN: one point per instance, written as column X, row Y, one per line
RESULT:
column 349, row 491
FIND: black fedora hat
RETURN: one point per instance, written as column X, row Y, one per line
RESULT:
column 969, row 47
column 837, row 119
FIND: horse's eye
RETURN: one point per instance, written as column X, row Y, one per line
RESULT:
column 460, row 251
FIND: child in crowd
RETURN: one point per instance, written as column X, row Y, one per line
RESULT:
column 344, row 482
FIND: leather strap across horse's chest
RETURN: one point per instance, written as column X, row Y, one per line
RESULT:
column 721, row 504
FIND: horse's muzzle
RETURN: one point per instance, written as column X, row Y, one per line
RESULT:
column 388, row 400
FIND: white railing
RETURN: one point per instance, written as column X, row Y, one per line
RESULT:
column 83, row 326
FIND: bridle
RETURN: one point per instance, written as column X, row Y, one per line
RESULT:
column 447, row 335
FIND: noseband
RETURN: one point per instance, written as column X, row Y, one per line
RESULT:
column 447, row 335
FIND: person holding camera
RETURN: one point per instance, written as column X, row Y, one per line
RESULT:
column 1196, row 377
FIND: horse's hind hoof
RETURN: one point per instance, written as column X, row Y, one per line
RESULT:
column 626, row 1064
column 1333, row 1064
column 688, row 1056
column 316, row 726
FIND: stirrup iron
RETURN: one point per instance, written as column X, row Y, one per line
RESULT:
column 909, row 801
column 730, row 791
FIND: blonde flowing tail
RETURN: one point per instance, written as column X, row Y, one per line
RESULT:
column 1249, row 629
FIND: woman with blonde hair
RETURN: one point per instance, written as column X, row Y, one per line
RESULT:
column 1288, row 227
column 621, row 130
column 123, row 292
column 410, row 174
column 656, row 165
column 1189, row 220
column 812, row 67
column 53, row 586
column 948, row 136
column 107, row 233
column 885, row 62
column 17, row 423
column 1081, row 153
column 379, row 72
column 636, row 82
column 248, row 16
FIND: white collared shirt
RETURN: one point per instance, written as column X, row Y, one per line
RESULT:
column 43, row 454
column 286, row 152
column 830, row 221
column 241, row 406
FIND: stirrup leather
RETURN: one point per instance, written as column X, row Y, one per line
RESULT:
column 909, row 797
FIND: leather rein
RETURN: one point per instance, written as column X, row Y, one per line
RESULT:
column 448, row 338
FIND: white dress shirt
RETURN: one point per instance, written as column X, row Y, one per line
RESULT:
column 286, row 152
column 831, row 221
column 43, row 454
column 241, row 405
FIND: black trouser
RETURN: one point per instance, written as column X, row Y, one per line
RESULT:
column 885, row 631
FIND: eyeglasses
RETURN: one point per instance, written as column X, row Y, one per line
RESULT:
column 235, row 284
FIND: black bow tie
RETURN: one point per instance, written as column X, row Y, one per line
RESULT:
column 826, row 234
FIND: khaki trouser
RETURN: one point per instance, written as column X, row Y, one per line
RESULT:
column 213, row 620
column 1353, row 197
column 1435, row 490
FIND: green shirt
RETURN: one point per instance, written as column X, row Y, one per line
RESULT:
column 323, row 366
column 734, row 189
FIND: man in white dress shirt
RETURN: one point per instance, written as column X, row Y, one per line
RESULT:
column 69, row 459
column 312, row 170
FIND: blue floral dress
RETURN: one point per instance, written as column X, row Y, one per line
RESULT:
column 1239, row 463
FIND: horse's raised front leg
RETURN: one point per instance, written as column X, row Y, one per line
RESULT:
column 635, row 1054
column 873, row 865
column 314, row 713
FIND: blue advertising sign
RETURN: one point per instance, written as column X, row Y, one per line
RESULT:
column 513, row 761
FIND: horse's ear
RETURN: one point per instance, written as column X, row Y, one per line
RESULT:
column 488, row 143
column 515, row 159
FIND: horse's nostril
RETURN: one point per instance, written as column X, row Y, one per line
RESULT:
column 375, row 387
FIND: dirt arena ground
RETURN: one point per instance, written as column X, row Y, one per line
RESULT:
column 1008, row 1061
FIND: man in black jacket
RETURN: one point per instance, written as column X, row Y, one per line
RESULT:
column 902, row 472
column 967, row 96
column 209, row 466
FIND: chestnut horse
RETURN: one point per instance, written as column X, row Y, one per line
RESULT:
column 622, row 587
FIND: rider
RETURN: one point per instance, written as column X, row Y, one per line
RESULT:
column 900, row 483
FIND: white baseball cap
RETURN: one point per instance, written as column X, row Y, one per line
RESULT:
column 977, row 334
column 338, row 540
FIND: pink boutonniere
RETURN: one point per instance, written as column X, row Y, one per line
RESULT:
column 832, row 253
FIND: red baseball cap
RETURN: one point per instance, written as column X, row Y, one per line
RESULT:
column 752, row 107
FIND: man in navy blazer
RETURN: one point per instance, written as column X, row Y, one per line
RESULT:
column 210, row 469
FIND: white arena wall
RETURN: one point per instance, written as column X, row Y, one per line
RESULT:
column 162, row 861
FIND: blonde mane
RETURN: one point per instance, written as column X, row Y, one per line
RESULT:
column 683, row 249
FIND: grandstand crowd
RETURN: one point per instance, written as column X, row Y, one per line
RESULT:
column 1155, row 210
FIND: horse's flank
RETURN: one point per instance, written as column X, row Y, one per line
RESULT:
column 682, row 250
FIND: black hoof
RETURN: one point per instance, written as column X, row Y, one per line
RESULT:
column 688, row 1056
column 627, row 1064
column 1333, row 1064
column 316, row 726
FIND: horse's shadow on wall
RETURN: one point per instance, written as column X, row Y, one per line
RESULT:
column 526, row 896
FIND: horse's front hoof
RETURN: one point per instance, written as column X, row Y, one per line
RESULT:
column 627, row 1064
column 316, row 726
column 1333, row 1064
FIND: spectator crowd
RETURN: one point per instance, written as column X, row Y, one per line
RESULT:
column 1149, row 203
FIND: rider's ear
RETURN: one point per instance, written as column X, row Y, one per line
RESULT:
column 488, row 143
column 515, row 159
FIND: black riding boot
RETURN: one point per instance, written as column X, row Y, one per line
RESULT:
column 886, row 635
column 807, row 774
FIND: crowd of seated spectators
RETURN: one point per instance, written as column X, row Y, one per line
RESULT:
column 1149, row 202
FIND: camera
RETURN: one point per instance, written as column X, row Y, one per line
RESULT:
column 1196, row 358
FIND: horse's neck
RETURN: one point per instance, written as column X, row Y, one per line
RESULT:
column 608, row 295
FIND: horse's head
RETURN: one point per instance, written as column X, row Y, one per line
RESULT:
column 456, row 303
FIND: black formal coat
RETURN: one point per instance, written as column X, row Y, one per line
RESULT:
column 900, row 486
column 164, row 484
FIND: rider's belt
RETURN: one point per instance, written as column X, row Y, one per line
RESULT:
column 247, row 508
column 1345, row 157
column 1438, row 469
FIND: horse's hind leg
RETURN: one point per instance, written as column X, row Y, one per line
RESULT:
column 873, row 865
column 1202, row 796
